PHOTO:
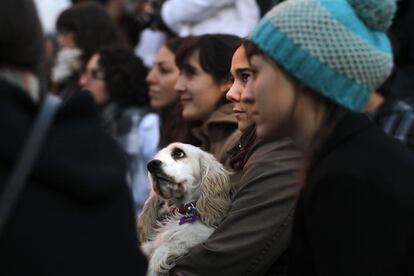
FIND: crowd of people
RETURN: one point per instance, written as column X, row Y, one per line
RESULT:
column 308, row 103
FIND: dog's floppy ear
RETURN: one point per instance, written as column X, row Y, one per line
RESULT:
column 214, row 200
column 147, row 220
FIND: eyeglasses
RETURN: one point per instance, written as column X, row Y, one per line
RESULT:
column 95, row 74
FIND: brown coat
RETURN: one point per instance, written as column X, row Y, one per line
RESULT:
column 253, row 237
column 219, row 133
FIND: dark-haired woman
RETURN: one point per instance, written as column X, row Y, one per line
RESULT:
column 82, row 30
column 311, row 77
column 266, row 183
column 116, row 79
column 204, row 63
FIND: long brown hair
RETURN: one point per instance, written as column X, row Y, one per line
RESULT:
column 332, row 116
column 174, row 128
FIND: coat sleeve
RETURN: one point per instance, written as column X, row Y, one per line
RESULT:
column 176, row 12
column 256, row 231
column 356, row 226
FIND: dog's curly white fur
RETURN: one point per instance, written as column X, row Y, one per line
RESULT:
column 181, row 174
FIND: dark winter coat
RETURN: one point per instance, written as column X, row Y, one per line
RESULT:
column 75, row 215
column 355, row 215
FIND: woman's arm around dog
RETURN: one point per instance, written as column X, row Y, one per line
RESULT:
column 256, row 231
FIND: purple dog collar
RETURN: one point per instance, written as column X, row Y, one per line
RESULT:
column 189, row 219
column 189, row 212
column 185, row 209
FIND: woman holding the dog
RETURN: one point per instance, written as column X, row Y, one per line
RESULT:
column 315, row 64
column 254, row 236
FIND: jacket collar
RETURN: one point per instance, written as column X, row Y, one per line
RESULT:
column 221, row 116
column 240, row 153
column 246, row 138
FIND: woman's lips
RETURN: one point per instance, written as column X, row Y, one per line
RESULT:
column 239, row 114
column 152, row 92
column 185, row 99
column 237, row 111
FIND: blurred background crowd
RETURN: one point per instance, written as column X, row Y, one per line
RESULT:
column 130, row 47
column 140, row 60
column 132, row 66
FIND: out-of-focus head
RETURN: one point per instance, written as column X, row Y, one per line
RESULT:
column 116, row 75
column 21, row 37
column 241, row 74
column 204, row 64
column 113, row 7
column 86, row 26
column 92, row 79
column 163, row 75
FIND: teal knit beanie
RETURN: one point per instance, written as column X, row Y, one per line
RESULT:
column 338, row 48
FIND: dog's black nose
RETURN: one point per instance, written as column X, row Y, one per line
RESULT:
column 154, row 165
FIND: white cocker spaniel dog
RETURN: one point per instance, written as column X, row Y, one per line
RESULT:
column 190, row 197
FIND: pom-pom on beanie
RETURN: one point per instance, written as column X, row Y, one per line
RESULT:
column 338, row 48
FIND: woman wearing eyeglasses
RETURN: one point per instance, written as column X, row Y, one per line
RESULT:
column 82, row 30
column 116, row 79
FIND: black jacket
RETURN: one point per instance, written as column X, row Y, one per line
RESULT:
column 356, row 213
column 75, row 216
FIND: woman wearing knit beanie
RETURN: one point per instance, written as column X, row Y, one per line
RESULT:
column 315, row 64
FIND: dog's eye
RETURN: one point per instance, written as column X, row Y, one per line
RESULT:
column 177, row 153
